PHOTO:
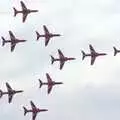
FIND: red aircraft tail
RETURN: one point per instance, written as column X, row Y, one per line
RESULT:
column 25, row 110
column 1, row 93
column 52, row 59
column 41, row 83
column 83, row 53
column 15, row 11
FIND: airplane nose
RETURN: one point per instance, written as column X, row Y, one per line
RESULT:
column 36, row 10
column 73, row 58
column 21, row 91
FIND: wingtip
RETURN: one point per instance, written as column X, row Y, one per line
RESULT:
column 59, row 50
column 44, row 25
column 60, row 68
column 47, row 74
column 7, row 83
column 46, row 45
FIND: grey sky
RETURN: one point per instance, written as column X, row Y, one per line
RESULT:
column 89, row 92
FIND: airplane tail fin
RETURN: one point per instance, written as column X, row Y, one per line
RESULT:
column 1, row 93
column 52, row 59
column 15, row 11
column 25, row 110
column 83, row 53
column 3, row 42
column 40, row 83
column 115, row 51
column 38, row 35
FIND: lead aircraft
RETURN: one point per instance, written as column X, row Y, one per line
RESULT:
column 50, row 83
column 25, row 11
column 10, row 92
column 34, row 110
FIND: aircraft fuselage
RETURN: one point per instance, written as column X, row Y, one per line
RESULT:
column 17, row 40
column 50, row 35
column 36, row 110
column 12, row 92
column 52, row 83
column 95, row 54
column 27, row 11
column 63, row 59
column 7, row 41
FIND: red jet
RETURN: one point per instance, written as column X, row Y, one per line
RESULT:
column 116, row 51
column 50, row 83
column 13, row 41
column 34, row 110
column 24, row 11
column 47, row 35
column 10, row 92
column 61, row 58
column 93, row 54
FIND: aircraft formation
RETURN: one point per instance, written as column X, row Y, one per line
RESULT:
column 13, row 40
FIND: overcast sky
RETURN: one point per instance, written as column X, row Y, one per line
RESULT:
column 88, row 92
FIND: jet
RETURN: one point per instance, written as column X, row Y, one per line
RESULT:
column 49, row 83
column 93, row 54
column 116, row 51
column 34, row 110
column 10, row 92
column 47, row 35
column 25, row 11
column 13, row 40
column 61, row 58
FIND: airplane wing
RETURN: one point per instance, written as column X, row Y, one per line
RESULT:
column 60, row 54
column 49, row 83
column 48, row 78
column 34, row 115
column 10, row 96
column 47, row 40
column 8, row 87
column 49, row 88
column 92, row 59
column 46, row 30
column 12, row 37
column 24, row 16
column 46, row 33
column 92, row 50
column 32, row 105
column 12, row 46
column 62, row 64
column 23, row 6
